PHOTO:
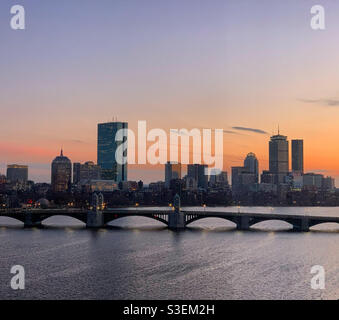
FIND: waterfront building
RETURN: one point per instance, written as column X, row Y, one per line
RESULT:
column 312, row 181
column 328, row 184
column 17, row 173
column 86, row 171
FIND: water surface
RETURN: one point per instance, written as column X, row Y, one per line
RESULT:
column 139, row 258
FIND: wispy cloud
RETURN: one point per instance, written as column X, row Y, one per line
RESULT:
column 77, row 141
column 230, row 132
column 324, row 102
column 250, row 130
column 183, row 133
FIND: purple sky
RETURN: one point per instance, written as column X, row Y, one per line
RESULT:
column 176, row 64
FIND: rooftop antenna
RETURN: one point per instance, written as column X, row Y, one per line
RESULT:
column 278, row 129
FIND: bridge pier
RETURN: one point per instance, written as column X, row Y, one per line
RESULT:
column 302, row 225
column 176, row 219
column 31, row 222
column 95, row 219
column 243, row 223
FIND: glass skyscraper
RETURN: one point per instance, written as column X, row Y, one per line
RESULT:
column 107, row 146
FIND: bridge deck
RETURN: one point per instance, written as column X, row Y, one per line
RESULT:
column 147, row 211
column 162, row 214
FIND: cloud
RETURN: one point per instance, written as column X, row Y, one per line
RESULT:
column 77, row 141
column 250, row 129
column 326, row 102
column 183, row 133
column 230, row 132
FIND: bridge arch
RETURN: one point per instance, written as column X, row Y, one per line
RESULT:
column 107, row 220
column 11, row 219
column 197, row 218
column 323, row 223
column 82, row 220
column 255, row 222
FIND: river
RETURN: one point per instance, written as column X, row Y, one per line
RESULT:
column 139, row 258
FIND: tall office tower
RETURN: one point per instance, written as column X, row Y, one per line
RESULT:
column 112, row 168
column 298, row 156
column 278, row 157
column 172, row 171
column 61, row 173
column 86, row 171
column 198, row 172
column 252, row 165
column 17, row 173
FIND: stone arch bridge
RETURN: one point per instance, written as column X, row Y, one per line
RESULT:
column 174, row 218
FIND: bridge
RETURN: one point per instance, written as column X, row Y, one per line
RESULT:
column 174, row 217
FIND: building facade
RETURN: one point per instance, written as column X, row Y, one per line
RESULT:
column 298, row 156
column 86, row 171
column 17, row 173
column 252, row 165
column 218, row 179
column 61, row 174
column 199, row 173
column 244, row 178
column 172, row 171
column 112, row 168
column 278, row 158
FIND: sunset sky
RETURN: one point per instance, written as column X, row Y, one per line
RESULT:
column 227, row 64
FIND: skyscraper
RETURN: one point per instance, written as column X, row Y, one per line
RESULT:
column 172, row 171
column 278, row 158
column 252, row 165
column 17, row 173
column 298, row 156
column 107, row 147
column 61, row 173
column 198, row 172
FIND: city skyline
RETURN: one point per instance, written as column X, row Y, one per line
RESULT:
column 176, row 68
column 282, row 163
column 168, row 157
